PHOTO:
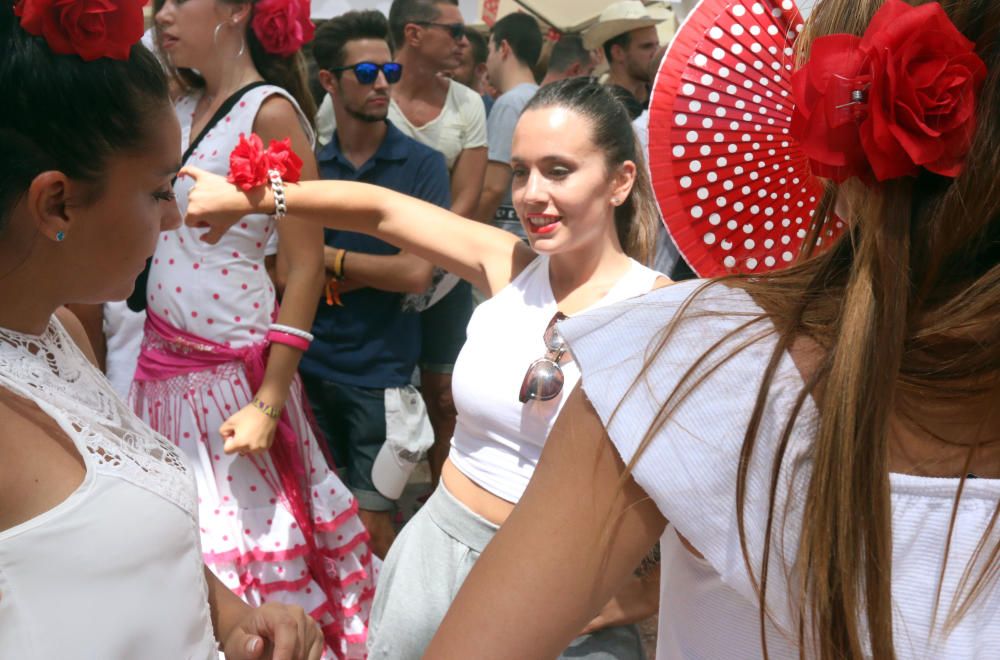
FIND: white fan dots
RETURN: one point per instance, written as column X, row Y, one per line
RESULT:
column 736, row 30
column 739, row 10
column 695, row 165
column 709, row 238
column 680, row 119
column 678, row 151
column 705, row 150
column 685, row 182
column 697, row 211
column 687, row 89
column 715, row 33
column 694, row 105
column 700, row 60
column 692, row 136
column 730, row 260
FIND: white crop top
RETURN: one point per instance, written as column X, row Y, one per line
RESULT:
column 114, row 571
column 498, row 439
column 708, row 607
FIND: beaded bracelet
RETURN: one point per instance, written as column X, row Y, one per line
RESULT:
column 287, row 329
column 274, row 412
column 278, row 190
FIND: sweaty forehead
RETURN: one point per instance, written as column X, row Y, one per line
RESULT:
column 552, row 131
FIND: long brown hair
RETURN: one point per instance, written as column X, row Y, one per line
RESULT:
column 289, row 73
column 636, row 219
column 904, row 310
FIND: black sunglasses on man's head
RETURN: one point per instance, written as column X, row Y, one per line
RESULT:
column 456, row 30
column 367, row 72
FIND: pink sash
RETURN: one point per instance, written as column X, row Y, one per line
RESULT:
column 173, row 352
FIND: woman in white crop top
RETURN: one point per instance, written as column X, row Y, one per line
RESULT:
column 824, row 440
column 588, row 211
column 99, row 531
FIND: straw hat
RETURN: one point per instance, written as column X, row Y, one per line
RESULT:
column 617, row 19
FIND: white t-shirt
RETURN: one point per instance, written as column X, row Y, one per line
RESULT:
column 689, row 470
column 498, row 439
column 460, row 125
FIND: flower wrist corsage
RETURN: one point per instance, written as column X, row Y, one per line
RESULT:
column 251, row 166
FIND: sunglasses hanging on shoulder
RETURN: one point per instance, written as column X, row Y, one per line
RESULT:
column 544, row 378
column 367, row 72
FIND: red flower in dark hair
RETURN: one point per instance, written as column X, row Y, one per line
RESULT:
column 901, row 97
column 249, row 162
column 91, row 29
column 282, row 26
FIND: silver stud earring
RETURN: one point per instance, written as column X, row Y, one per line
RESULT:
column 614, row 200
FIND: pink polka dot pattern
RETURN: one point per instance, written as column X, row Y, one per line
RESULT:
column 734, row 188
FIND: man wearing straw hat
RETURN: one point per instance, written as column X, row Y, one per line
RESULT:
column 627, row 33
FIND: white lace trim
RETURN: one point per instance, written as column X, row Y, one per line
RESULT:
column 51, row 371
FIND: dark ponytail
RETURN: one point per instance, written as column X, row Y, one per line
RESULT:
column 61, row 113
column 637, row 218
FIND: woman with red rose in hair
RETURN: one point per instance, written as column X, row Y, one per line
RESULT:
column 824, row 440
column 217, row 371
column 100, row 555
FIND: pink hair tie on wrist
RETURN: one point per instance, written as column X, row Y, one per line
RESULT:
column 278, row 337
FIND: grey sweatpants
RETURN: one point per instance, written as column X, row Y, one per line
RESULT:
column 422, row 575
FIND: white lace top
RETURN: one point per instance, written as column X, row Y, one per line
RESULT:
column 708, row 608
column 115, row 570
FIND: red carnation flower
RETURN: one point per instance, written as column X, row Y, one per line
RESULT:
column 91, row 29
column 248, row 163
column 282, row 26
column 281, row 158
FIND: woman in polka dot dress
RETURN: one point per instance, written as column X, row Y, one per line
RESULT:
column 276, row 522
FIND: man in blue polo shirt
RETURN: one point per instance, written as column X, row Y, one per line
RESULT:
column 357, row 371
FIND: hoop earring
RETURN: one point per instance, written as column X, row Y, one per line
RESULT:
column 243, row 47
column 215, row 34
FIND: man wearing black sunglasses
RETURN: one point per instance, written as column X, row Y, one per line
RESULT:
column 358, row 369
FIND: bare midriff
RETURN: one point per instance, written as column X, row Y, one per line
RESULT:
column 478, row 499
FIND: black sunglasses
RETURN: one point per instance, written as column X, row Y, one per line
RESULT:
column 544, row 378
column 367, row 72
column 456, row 30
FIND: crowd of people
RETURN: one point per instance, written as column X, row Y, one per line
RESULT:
column 351, row 246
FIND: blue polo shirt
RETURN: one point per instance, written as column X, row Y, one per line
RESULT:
column 370, row 341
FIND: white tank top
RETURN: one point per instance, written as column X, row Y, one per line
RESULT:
column 498, row 439
column 114, row 571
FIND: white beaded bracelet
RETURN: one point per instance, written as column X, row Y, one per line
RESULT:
column 278, row 189
column 292, row 331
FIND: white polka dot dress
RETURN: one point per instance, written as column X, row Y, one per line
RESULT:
column 250, row 539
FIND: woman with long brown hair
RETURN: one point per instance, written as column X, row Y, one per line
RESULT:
column 825, row 441
column 584, row 201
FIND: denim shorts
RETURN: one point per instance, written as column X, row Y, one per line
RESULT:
column 354, row 420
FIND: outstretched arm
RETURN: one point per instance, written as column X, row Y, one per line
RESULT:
column 485, row 256
column 571, row 543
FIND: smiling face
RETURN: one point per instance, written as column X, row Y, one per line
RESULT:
column 561, row 187
column 108, row 241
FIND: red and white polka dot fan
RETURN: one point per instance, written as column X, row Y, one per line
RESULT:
column 734, row 189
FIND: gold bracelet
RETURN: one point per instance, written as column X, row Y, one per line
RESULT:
column 274, row 412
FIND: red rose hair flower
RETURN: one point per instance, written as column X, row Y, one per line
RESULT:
column 91, row 29
column 282, row 26
column 901, row 97
column 249, row 162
